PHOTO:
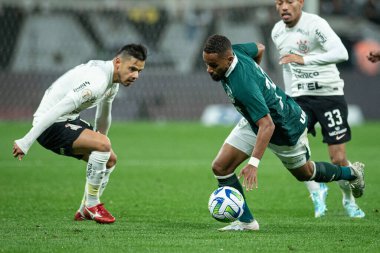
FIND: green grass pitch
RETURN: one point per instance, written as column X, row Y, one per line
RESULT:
column 159, row 193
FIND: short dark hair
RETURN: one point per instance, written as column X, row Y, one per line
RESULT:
column 218, row 44
column 137, row 51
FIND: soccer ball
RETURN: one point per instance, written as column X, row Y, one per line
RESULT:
column 226, row 204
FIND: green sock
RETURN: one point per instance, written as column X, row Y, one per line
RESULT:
column 327, row 172
column 233, row 181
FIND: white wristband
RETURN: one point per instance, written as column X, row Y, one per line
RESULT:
column 254, row 161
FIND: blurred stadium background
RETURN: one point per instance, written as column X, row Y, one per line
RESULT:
column 41, row 39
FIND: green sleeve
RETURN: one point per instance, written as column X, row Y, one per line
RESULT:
column 254, row 102
column 249, row 49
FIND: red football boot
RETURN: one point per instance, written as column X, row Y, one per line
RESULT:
column 99, row 214
column 80, row 216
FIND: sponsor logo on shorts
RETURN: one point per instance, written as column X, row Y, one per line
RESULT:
column 338, row 137
column 72, row 126
column 338, row 133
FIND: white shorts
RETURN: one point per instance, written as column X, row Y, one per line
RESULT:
column 243, row 138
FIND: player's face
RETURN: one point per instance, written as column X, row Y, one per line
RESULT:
column 290, row 11
column 128, row 70
column 217, row 65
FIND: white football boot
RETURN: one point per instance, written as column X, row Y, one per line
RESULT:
column 240, row 226
column 319, row 201
column 357, row 185
column 352, row 209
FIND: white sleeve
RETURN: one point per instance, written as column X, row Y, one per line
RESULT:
column 66, row 105
column 103, row 116
column 334, row 50
column 273, row 32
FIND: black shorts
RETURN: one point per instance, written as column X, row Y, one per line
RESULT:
column 331, row 112
column 60, row 136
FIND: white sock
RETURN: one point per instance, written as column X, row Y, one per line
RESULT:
column 312, row 186
column 106, row 178
column 346, row 190
column 81, row 207
column 96, row 167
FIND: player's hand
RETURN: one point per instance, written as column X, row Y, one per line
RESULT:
column 292, row 58
column 17, row 152
column 249, row 173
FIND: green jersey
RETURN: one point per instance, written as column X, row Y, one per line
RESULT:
column 254, row 95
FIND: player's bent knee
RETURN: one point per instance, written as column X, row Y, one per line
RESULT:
column 104, row 144
column 219, row 169
column 303, row 178
column 302, row 173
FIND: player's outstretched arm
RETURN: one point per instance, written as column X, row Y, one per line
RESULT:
column 66, row 105
column 249, row 172
column 374, row 56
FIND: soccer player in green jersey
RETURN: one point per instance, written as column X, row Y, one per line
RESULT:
column 271, row 119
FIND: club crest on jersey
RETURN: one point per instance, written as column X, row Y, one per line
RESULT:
column 86, row 95
column 229, row 93
column 302, row 46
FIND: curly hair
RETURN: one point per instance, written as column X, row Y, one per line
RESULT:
column 218, row 44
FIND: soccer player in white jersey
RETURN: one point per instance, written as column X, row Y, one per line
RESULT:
column 309, row 50
column 57, row 125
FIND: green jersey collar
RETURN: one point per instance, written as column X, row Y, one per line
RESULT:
column 232, row 66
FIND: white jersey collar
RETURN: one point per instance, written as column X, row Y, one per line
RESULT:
column 298, row 23
column 232, row 66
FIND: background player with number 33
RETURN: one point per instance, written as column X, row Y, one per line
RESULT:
column 309, row 50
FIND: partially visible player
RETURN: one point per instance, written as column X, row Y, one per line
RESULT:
column 271, row 120
column 374, row 56
column 57, row 125
column 309, row 51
